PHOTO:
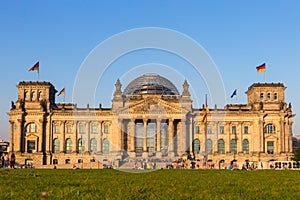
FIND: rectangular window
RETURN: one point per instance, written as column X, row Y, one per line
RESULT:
column 209, row 130
column 233, row 129
column 105, row 129
column 197, row 129
column 31, row 146
column 221, row 129
column 94, row 129
column 69, row 129
column 81, row 128
column 56, row 128
column 270, row 147
column 246, row 130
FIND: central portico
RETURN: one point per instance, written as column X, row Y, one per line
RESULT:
column 152, row 116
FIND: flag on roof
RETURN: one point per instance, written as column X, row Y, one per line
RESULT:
column 233, row 94
column 261, row 68
column 206, row 110
column 61, row 92
column 35, row 67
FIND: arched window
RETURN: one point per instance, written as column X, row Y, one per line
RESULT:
column 25, row 95
column 81, row 145
column 261, row 96
column 105, row 146
column 275, row 96
column 31, row 128
column 33, row 95
column 56, row 146
column 245, row 146
column 68, row 145
column 233, row 146
column 221, row 146
column 209, row 146
column 268, row 96
column 93, row 145
column 196, row 146
column 40, row 95
column 269, row 128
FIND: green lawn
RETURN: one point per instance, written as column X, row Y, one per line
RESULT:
column 160, row 184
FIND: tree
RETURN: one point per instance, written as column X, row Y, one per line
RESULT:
column 296, row 156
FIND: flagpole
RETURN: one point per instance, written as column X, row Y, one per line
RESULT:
column 38, row 74
column 236, row 99
column 265, row 77
column 205, row 126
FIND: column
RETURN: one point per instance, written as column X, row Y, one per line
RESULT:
column 281, row 137
column 131, row 134
column 286, row 136
column 74, row 142
column 145, row 135
column 63, row 144
column 100, row 136
column 12, row 135
column 227, row 139
column 158, row 139
column 261, row 136
column 182, row 137
column 171, row 134
column 290, row 135
column 215, row 137
column 39, row 141
column 240, row 138
column 122, row 138
column 120, row 135
column 48, row 134
column 88, row 144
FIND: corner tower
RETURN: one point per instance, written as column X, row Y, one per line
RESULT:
column 30, row 119
column 267, row 96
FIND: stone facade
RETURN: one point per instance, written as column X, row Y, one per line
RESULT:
column 149, row 120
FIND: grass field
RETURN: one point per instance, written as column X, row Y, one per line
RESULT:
column 160, row 184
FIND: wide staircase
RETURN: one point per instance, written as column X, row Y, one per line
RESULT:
column 143, row 164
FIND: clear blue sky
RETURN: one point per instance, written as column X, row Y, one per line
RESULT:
column 238, row 35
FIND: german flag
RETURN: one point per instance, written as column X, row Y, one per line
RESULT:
column 261, row 68
column 61, row 92
column 206, row 110
column 35, row 67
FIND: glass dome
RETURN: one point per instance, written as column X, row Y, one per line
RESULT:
column 151, row 84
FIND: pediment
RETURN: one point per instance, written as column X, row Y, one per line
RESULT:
column 154, row 106
column 31, row 135
column 271, row 136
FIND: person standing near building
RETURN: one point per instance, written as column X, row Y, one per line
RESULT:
column 2, row 160
column 12, row 160
column 6, row 160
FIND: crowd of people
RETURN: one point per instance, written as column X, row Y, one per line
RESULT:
column 7, row 161
column 146, row 164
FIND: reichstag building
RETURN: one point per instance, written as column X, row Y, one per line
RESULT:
column 149, row 119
